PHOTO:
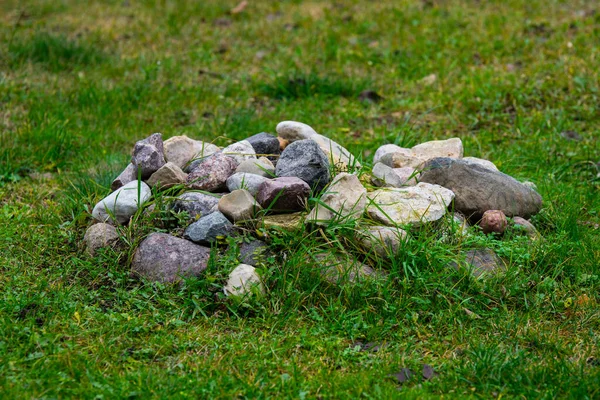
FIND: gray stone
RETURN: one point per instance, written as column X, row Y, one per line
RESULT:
column 257, row 167
column 479, row 189
column 148, row 155
column 167, row 259
column 413, row 205
column 211, row 173
column 129, row 174
column 484, row 163
column 480, row 263
column 122, row 203
column 336, row 154
column 181, row 150
column 240, row 151
column 241, row 180
column 254, row 252
column 264, row 144
column 283, row 194
column 239, row 205
column 385, row 241
column 393, row 177
column 167, row 176
column 99, row 236
column 305, row 160
column 344, row 199
column 243, row 280
column 196, row 204
column 209, row 229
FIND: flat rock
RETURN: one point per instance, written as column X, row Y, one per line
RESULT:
column 421, row 153
column 283, row 222
column 480, row 262
column 148, row 155
column 254, row 252
column 122, row 203
column 337, row 154
column 165, row 258
column 181, row 150
column 402, row 160
column 242, row 180
column 304, row 159
column 239, row 205
column 243, row 280
column 211, row 173
column 283, row 194
column 479, row 189
column 129, row 174
column 345, row 198
column 413, row 205
column 99, row 236
column 240, row 151
column 196, row 204
column 385, row 241
column 480, row 161
column 393, row 177
column 257, row 167
column 167, row 176
column 264, row 144
column 209, row 229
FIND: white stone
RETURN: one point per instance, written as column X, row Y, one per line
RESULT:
column 414, row 205
column 385, row 241
column 480, row 161
column 337, row 154
column 394, row 177
column 180, row 150
column 122, row 203
column 388, row 149
column 344, row 199
column 242, row 280
column 421, row 153
column 240, row 151
column 262, row 167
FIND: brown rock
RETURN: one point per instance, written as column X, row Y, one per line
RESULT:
column 493, row 221
column 167, row 176
column 211, row 173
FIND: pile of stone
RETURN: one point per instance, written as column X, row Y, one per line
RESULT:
column 267, row 181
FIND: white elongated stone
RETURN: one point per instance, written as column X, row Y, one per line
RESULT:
column 344, row 198
column 242, row 280
column 122, row 203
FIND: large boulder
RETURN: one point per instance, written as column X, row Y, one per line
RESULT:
column 148, row 155
column 165, row 258
column 345, row 198
column 479, row 189
column 385, row 241
column 211, row 173
column 122, row 204
column 393, row 177
column 304, row 159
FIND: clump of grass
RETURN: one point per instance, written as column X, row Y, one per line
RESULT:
column 301, row 85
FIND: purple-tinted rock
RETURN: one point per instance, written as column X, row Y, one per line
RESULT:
column 211, row 173
column 129, row 174
column 196, row 204
column 283, row 194
column 493, row 221
column 148, row 155
column 165, row 258
column 304, row 159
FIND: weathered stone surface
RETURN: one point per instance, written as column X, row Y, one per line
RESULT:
column 196, row 204
column 337, row 154
column 254, row 252
column 250, row 182
column 385, row 241
column 345, row 198
column 181, row 150
column 480, row 161
column 148, row 155
column 342, row 268
column 480, row 263
column 257, row 167
column 209, row 229
column 211, row 173
column 283, row 194
column 401, row 160
column 243, row 280
column 283, row 222
column 388, row 149
column 493, row 221
column 421, row 153
column 240, row 151
column 165, row 258
column 239, row 205
column 167, row 176
column 521, row 224
column 99, row 236
column 305, row 160
column 264, row 144
column 129, row 174
column 122, row 203
column 393, row 177
column 413, row 205
column 479, row 189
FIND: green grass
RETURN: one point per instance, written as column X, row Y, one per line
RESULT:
column 80, row 83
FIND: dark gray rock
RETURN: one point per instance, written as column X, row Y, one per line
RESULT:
column 283, row 194
column 211, row 173
column 254, row 252
column 209, row 229
column 129, row 174
column 479, row 189
column 480, row 262
column 196, row 204
column 265, row 144
column 304, row 159
column 148, row 155
column 165, row 258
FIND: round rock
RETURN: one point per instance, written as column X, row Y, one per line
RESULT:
column 209, row 229
column 493, row 221
column 264, row 144
column 123, row 203
column 211, row 173
column 99, row 236
column 243, row 280
column 304, row 159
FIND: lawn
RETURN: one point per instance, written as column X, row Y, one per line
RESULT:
column 81, row 82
